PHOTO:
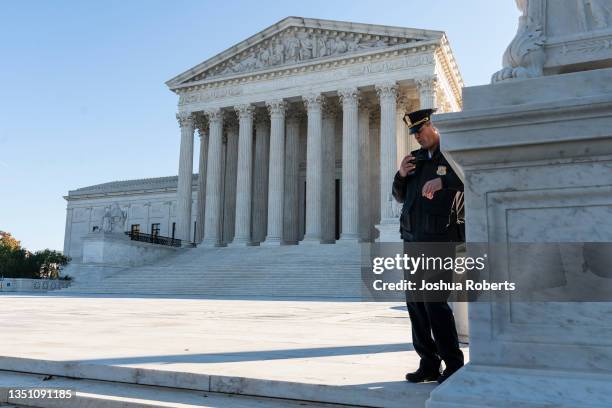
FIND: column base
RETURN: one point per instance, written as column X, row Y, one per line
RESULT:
column 389, row 230
column 479, row 386
column 349, row 238
column 273, row 241
column 241, row 243
column 211, row 243
column 310, row 240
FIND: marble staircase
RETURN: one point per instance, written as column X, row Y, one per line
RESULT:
column 277, row 271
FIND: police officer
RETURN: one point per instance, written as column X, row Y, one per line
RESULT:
column 432, row 197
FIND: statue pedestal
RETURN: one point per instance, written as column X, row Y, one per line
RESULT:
column 117, row 249
column 536, row 159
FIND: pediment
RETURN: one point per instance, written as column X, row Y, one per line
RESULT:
column 295, row 41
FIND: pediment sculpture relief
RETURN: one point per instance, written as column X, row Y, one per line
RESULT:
column 296, row 47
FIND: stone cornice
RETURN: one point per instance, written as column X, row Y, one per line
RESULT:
column 133, row 187
column 449, row 66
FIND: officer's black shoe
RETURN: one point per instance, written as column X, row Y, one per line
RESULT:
column 422, row 375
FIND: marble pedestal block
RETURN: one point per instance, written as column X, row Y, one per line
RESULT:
column 116, row 249
column 536, row 159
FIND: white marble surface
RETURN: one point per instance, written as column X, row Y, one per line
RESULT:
column 343, row 352
column 535, row 156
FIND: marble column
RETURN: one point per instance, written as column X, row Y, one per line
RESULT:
column 313, row 168
column 328, row 172
column 350, row 164
column 389, row 216
column 364, row 170
column 292, row 166
column 147, row 226
column 231, row 161
column 202, row 125
column 403, row 138
column 184, row 186
column 302, row 177
column 427, row 92
column 276, row 181
column 374, row 170
column 212, row 221
column 68, row 231
column 244, row 180
column 260, row 181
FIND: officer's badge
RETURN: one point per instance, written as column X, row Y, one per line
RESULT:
column 441, row 171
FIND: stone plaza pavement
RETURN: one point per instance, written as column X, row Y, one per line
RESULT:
column 352, row 353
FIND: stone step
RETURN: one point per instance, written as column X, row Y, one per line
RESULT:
column 391, row 395
column 108, row 394
column 327, row 270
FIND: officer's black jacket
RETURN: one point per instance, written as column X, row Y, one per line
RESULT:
column 439, row 219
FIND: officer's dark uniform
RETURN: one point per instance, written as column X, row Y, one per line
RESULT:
column 435, row 220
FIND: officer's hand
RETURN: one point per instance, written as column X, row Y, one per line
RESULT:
column 431, row 187
column 406, row 167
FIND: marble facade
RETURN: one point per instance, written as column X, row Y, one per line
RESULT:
column 339, row 79
column 300, row 126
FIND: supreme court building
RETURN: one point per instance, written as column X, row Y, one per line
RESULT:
column 301, row 133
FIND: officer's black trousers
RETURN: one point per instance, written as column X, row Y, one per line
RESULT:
column 434, row 335
column 437, row 318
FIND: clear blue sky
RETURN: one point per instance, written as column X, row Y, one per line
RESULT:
column 82, row 95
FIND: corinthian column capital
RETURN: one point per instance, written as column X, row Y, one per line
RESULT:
column 313, row 101
column 349, row 96
column 185, row 119
column 426, row 84
column 214, row 115
column 245, row 111
column 386, row 90
column 276, row 107
column 201, row 123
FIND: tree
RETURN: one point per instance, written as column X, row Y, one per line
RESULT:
column 50, row 263
column 7, row 241
column 17, row 262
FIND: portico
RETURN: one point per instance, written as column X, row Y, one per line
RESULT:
column 294, row 121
